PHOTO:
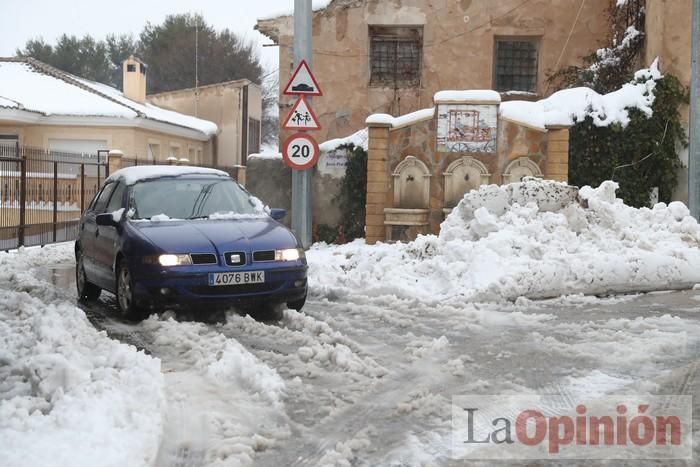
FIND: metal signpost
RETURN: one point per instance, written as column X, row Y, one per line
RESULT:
column 694, row 152
column 300, row 151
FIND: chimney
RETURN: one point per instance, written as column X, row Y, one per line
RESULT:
column 134, row 84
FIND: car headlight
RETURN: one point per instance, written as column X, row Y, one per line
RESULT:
column 168, row 260
column 290, row 254
column 174, row 260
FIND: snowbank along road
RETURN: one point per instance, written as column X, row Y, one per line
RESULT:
column 366, row 373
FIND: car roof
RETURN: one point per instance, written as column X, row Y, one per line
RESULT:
column 133, row 175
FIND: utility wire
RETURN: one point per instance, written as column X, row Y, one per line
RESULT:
column 643, row 158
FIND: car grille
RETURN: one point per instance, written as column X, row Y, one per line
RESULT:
column 265, row 255
column 236, row 289
column 231, row 259
column 203, row 258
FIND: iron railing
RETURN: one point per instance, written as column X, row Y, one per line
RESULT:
column 43, row 194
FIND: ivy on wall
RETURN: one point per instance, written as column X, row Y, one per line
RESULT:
column 639, row 157
column 350, row 200
column 643, row 155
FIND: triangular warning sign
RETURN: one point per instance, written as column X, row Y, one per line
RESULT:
column 303, row 82
column 302, row 117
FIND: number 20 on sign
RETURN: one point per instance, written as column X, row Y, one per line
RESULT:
column 300, row 151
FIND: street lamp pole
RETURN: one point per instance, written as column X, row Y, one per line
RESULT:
column 694, row 152
column 301, row 179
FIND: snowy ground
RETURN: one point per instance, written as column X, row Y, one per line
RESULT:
column 365, row 375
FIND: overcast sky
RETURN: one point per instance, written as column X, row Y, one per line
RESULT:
column 25, row 19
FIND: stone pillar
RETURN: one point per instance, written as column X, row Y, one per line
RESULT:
column 240, row 174
column 377, row 182
column 114, row 160
column 557, row 164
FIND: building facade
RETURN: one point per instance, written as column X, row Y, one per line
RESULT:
column 236, row 108
column 373, row 56
column 43, row 107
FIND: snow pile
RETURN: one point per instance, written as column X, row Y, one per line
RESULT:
column 224, row 362
column 358, row 139
column 224, row 404
column 66, row 389
column 569, row 106
column 536, row 238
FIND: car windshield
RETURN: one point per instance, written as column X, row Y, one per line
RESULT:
column 187, row 198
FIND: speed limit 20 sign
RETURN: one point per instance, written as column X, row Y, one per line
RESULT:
column 300, row 151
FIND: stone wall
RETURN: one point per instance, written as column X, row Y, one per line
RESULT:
column 271, row 180
column 412, row 185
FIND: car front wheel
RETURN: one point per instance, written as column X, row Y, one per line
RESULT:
column 87, row 291
column 297, row 305
column 125, row 294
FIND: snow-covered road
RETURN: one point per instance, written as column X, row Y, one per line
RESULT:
column 369, row 381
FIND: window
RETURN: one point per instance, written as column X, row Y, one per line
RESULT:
column 395, row 56
column 101, row 200
column 191, row 155
column 189, row 198
column 175, row 150
column 253, row 136
column 8, row 140
column 131, row 67
column 153, row 151
column 116, row 201
column 516, row 65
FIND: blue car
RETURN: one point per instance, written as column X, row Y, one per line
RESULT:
column 160, row 236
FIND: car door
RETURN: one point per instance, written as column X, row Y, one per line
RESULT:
column 88, row 230
column 107, row 239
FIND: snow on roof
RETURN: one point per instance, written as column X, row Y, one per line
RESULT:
column 472, row 95
column 316, row 5
column 30, row 85
column 566, row 107
column 153, row 112
column 35, row 91
column 132, row 175
column 358, row 139
column 403, row 120
column 8, row 103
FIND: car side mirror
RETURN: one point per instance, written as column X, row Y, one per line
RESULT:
column 106, row 220
column 277, row 214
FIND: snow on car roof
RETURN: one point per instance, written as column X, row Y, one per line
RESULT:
column 132, row 175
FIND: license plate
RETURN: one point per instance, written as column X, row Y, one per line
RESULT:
column 236, row 278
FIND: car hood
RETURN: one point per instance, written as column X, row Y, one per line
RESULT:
column 217, row 236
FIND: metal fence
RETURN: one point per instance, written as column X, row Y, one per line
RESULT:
column 43, row 193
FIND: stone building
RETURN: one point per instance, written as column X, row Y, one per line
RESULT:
column 379, row 56
column 391, row 56
column 235, row 106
